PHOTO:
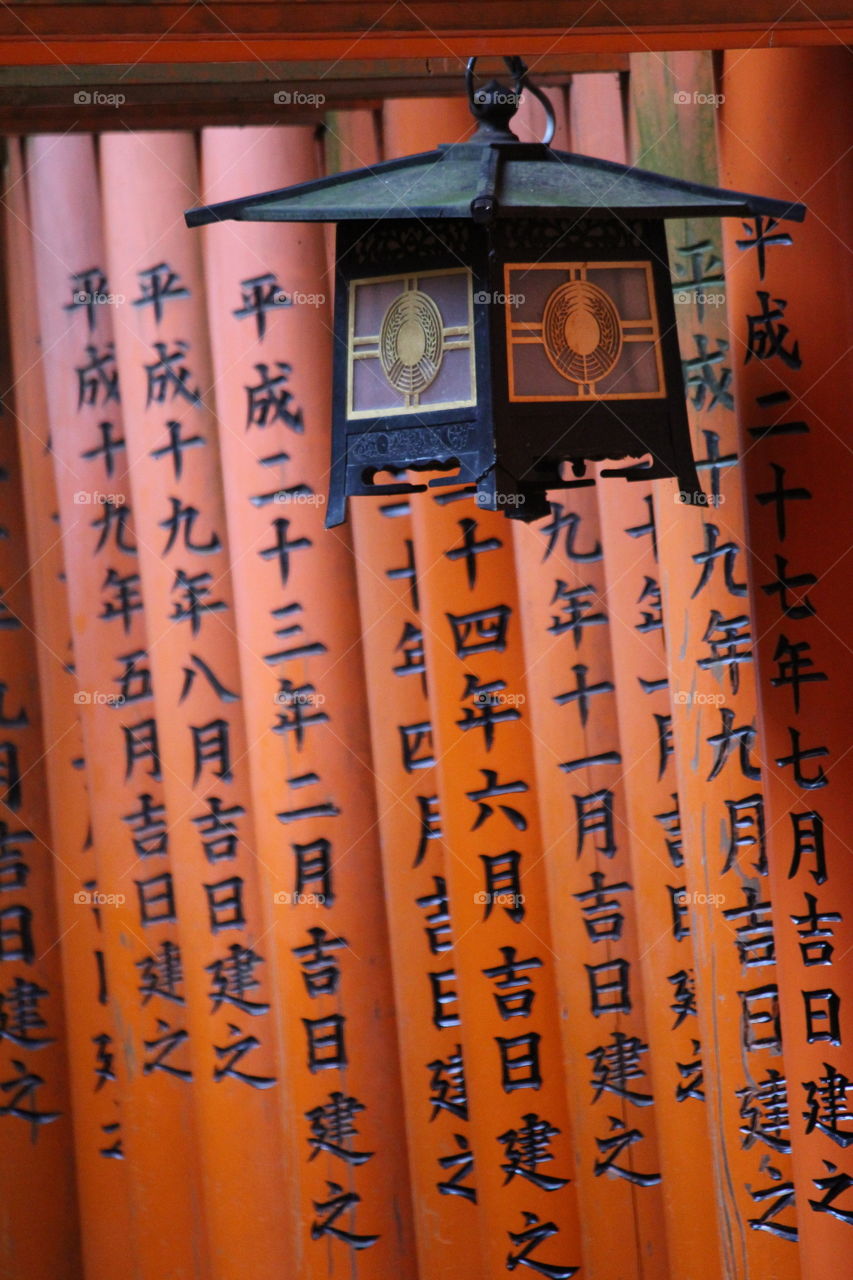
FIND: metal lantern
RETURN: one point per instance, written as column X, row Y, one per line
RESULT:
column 503, row 313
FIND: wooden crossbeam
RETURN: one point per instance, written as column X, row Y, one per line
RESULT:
column 37, row 33
column 89, row 97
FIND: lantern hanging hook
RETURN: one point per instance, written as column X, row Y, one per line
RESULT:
column 521, row 81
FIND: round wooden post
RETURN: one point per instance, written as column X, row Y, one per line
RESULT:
column 652, row 821
column 499, row 988
column 132, row 898
column 444, row 1187
column 168, row 400
column 410, row 124
column 579, row 765
column 40, row 1234
column 783, row 129
column 102, row 1175
column 704, row 589
column 308, row 734
column 504, row 972
column 579, row 769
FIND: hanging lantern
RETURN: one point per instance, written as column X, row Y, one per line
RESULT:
column 503, row 313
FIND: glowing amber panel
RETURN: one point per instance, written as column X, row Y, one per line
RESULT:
column 582, row 331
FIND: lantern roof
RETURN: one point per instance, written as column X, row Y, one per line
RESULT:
column 485, row 179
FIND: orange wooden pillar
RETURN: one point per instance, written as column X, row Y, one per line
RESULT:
column 591, row 892
column 651, row 827
column 442, row 1164
column 578, row 781
column 503, row 976
column 132, row 898
column 784, row 129
column 347, row 1191
column 89, row 1022
column 499, row 989
column 414, row 855
column 168, row 401
column 39, row 1236
column 406, row 121
column 704, row 592
column 579, row 766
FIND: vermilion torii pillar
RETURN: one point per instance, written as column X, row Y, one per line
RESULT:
column 590, row 887
column 192, row 677
column 102, row 1175
column 415, row 854
column 504, row 975
column 784, row 128
column 500, row 988
column 137, row 913
column 652, row 829
column 345, row 1185
column 36, row 1130
column 726, row 900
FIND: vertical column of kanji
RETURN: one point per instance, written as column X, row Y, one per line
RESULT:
column 132, row 896
column 170, row 430
column 703, row 581
column 579, row 768
column 504, row 961
column 651, row 828
column 315, row 814
column 783, row 127
column 40, row 1236
column 101, row 1173
column 414, row 863
column 519, row 1132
